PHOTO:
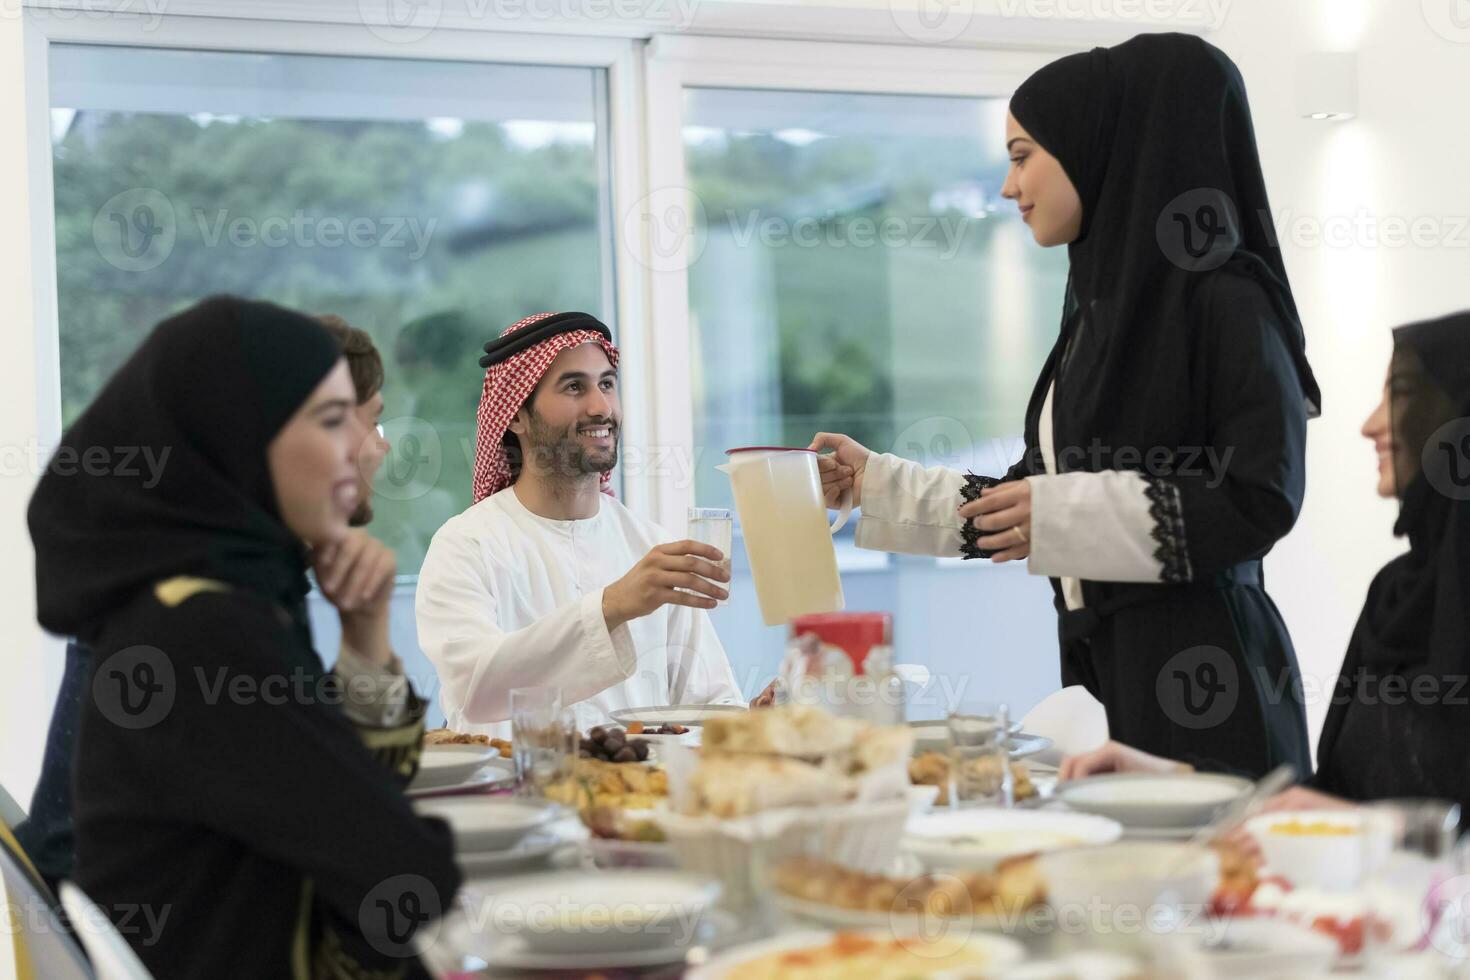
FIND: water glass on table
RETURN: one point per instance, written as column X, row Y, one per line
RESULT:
column 714, row 526
column 979, row 755
column 543, row 738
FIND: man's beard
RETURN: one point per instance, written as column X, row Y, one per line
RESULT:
column 560, row 455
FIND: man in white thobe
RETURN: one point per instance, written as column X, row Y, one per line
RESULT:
column 547, row 580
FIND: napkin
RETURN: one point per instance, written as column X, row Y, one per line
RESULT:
column 1073, row 719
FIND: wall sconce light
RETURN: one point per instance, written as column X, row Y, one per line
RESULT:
column 1327, row 85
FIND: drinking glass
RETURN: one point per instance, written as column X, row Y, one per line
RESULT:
column 979, row 755
column 543, row 738
column 714, row 526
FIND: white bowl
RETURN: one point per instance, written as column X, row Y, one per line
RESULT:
column 1336, row 862
column 487, row 823
column 1103, row 885
column 978, row 840
column 599, row 911
column 1135, row 800
column 449, row 765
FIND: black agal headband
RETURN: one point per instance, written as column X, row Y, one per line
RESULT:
column 505, row 347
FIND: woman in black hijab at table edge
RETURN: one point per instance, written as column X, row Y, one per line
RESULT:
column 1165, row 438
column 225, row 782
column 1399, row 717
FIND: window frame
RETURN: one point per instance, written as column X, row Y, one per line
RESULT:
column 675, row 64
column 646, row 81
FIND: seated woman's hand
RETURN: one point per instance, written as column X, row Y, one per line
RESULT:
column 843, row 468
column 1117, row 757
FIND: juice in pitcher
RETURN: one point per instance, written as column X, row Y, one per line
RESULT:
column 778, row 493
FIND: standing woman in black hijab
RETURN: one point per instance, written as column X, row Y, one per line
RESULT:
column 226, row 784
column 1165, row 437
column 1399, row 720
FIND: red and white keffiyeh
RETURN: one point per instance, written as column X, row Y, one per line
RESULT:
column 507, row 386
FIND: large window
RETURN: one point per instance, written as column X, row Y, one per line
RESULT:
column 430, row 203
column 856, row 270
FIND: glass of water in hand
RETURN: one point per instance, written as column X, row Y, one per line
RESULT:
column 714, row 526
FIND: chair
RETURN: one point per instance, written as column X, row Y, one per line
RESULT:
column 42, row 946
column 112, row 957
column 12, row 814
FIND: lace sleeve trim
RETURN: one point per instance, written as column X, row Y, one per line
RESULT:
column 969, row 533
column 1167, row 512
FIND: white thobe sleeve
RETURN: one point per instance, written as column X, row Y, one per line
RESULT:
column 699, row 671
column 1094, row 526
column 570, row 647
column 909, row 508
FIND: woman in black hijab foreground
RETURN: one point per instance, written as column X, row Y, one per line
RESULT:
column 1165, row 437
column 246, row 800
column 1399, row 720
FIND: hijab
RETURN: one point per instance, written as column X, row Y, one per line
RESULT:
column 1156, row 136
column 166, row 472
column 1416, row 615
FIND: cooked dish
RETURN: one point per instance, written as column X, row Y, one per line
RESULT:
column 872, row 957
column 1014, row 886
column 444, row 736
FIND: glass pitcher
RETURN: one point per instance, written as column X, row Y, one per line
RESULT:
column 778, row 493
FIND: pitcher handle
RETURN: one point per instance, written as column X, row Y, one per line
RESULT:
column 844, row 510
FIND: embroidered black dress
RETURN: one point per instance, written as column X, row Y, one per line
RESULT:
column 1165, row 437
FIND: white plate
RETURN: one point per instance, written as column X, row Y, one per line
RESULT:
column 487, row 823
column 1134, row 800
column 497, row 774
column 932, row 838
column 1001, row 952
column 511, row 952
column 599, row 912
column 1025, row 744
column 533, row 851
column 445, row 765
column 688, row 715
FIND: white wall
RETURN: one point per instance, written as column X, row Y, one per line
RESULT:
column 1406, row 156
